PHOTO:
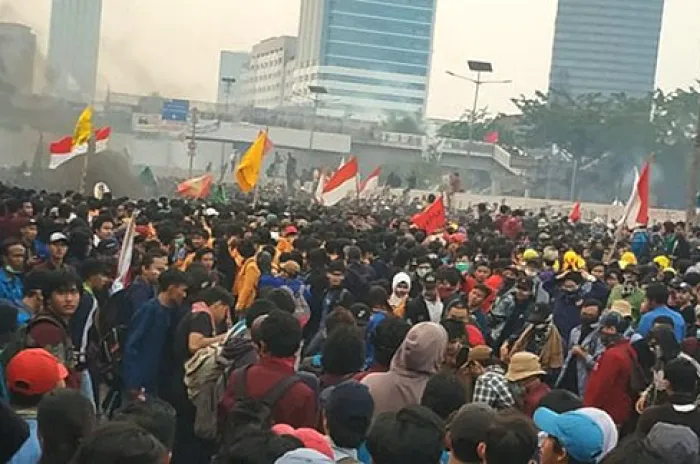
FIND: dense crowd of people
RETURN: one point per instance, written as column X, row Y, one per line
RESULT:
column 279, row 331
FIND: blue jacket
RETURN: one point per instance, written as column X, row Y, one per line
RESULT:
column 145, row 345
column 647, row 321
column 11, row 287
column 375, row 319
column 138, row 293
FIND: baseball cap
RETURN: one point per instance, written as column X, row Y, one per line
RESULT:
column 58, row 237
column 34, row 371
column 429, row 280
column 309, row 437
column 290, row 230
column 587, row 434
column 350, row 406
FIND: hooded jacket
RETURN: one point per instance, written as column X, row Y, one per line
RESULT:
column 419, row 357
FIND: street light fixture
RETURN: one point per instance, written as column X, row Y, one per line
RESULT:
column 478, row 67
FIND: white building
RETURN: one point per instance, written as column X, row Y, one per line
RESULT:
column 231, row 66
column 265, row 78
column 17, row 55
column 373, row 57
column 74, row 42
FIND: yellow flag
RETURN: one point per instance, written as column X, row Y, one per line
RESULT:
column 83, row 128
column 248, row 169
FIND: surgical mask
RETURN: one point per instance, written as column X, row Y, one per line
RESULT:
column 462, row 267
column 422, row 272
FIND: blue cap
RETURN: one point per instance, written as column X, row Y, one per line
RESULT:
column 577, row 432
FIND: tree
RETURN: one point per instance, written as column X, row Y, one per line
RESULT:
column 483, row 124
column 403, row 123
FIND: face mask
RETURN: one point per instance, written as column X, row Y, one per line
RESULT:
column 541, row 327
column 422, row 272
column 275, row 235
column 609, row 339
column 462, row 267
column 588, row 320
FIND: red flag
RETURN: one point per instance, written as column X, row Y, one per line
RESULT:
column 342, row 183
column 432, row 217
column 575, row 214
column 491, row 137
column 198, row 187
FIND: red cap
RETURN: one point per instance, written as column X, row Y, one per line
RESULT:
column 309, row 437
column 290, row 230
column 34, row 371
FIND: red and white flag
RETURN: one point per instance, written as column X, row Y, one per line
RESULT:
column 370, row 184
column 64, row 150
column 125, row 255
column 432, row 217
column 341, row 184
column 637, row 209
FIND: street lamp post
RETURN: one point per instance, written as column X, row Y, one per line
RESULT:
column 317, row 91
column 228, row 83
column 478, row 67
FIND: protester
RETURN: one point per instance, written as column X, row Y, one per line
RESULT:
column 490, row 384
column 30, row 375
column 419, row 357
column 57, row 251
column 467, row 431
column 65, row 419
column 347, row 417
column 608, row 385
column 656, row 300
column 13, row 254
column 584, row 349
column 296, row 402
column 410, row 435
column 121, row 443
column 511, row 438
column 426, row 307
column 388, row 337
column 525, row 373
column 148, row 335
column 583, row 436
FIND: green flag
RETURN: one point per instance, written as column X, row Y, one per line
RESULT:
column 218, row 195
column 148, row 180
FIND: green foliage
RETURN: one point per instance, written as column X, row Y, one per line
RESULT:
column 403, row 123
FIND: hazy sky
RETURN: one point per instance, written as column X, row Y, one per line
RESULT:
column 172, row 46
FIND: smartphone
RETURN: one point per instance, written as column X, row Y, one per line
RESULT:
column 462, row 356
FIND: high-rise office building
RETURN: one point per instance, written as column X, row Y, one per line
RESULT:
column 372, row 56
column 606, row 46
column 231, row 66
column 265, row 77
column 74, row 42
column 17, row 54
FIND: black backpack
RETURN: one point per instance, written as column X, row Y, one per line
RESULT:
column 111, row 328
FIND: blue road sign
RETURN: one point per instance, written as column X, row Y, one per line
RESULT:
column 175, row 110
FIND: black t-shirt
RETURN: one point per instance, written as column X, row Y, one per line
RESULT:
column 668, row 414
column 14, row 432
column 191, row 323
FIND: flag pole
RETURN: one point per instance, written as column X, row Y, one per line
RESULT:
column 88, row 155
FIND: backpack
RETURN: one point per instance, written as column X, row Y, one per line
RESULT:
column 111, row 337
column 302, row 311
column 348, row 460
column 20, row 340
column 267, row 403
column 639, row 379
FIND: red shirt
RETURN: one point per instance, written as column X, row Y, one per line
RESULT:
column 533, row 395
column 298, row 407
column 372, row 369
column 609, row 382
